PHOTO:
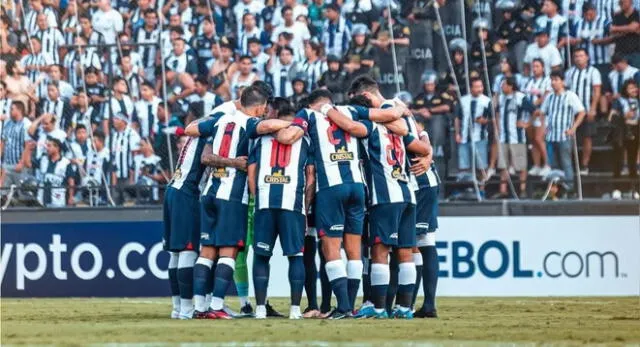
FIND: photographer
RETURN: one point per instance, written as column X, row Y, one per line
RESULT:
column 148, row 173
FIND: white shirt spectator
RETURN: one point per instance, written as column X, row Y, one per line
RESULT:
column 108, row 24
column 300, row 34
column 549, row 55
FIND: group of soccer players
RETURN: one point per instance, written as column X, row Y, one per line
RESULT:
column 357, row 177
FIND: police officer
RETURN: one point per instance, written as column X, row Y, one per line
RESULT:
column 458, row 49
column 335, row 79
column 514, row 32
column 492, row 48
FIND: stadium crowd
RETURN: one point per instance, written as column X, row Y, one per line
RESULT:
column 98, row 93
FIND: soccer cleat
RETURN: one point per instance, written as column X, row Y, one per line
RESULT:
column 230, row 312
column 421, row 313
column 366, row 311
column 271, row 312
column 380, row 315
column 401, row 313
column 204, row 315
column 294, row 313
column 335, row 315
column 246, row 311
column 261, row 312
column 311, row 313
column 221, row 314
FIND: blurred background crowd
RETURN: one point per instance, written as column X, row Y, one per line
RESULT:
column 95, row 93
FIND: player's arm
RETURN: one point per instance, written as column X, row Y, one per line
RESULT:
column 345, row 123
column 208, row 158
column 416, row 146
column 252, row 171
column 202, row 127
column 398, row 127
column 271, row 126
column 310, row 187
column 386, row 115
column 295, row 130
column 421, row 164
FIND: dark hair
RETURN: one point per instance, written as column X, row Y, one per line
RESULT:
column 98, row 134
column 85, row 16
column 20, row 107
column 149, row 11
column 264, row 87
column 474, row 80
column 35, row 38
column 360, row 100
column 247, row 14
column 512, row 66
column 618, row 58
column 285, row 109
column 245, row 57
column 316, row 47
column 511, row 82
column 625, row 85
column 202, row 80
column 363, row 84
column 285, row 48
column 557, row 74
column 80, row 127
column 11, row 67
column 580, row 49
column 118, row 79
column 319, row 94
column 177, row 29
column 147, row 84
column 253, row 96
column 53, row 84
column 284, row 9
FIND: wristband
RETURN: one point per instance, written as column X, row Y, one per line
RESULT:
column 325, row 109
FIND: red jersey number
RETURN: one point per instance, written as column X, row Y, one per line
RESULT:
column 395, row 150
column 280, row 154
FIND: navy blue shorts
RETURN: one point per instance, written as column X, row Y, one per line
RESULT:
column 223, row 223
column 270, row 224
column 393, row 225
column 427, row 210
column 340, row 209
column 181, row 217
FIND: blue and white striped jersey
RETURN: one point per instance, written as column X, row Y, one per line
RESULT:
column 386, row 167
column 624, row 105
column 280, row 173
column 336, row 153
column 560, row 110
column 512, row 109
column 589, row 30
column 582, row 81
column 53, row 179
column 336, row 36
column 189, row 167
column 555, row 26
column 429, row 178
column 617, row 78
column 469, row 109
column 231, row 134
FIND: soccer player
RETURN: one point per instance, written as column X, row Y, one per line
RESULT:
column 282, row 180
column 392, row 211
column 225, row 197
column 340, row 189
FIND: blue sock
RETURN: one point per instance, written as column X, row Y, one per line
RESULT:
column 173, row 281
column 338, row 278
column 354, row 274
column 185, row 274
column 430, row 271
column 223, row 278
column 311, row 272
column 366, row 280
column 417, row 259
column 260, row 278
column 325, row 286
column 393, row 283
column 201, row 277
column 296, row 279
column 379, row 284
column 406, row 283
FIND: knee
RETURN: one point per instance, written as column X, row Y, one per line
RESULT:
column 208, row 252
column 331, row 248
column 404, row 255
column 380, row 254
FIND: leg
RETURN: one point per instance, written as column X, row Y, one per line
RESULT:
column 296, row 281
column 186, row 262
column 173, row 281
column 417, row 259
column 406, row 277
column 336, row 272
column 540, row 143
column 311, row 271
column 241, row 275
column 429, row 271
column 223, row 276
column 587, row 148
column 325, row 286
column 202, row 277
column 380, row 276
column 261, row 271
column 566, row 151
column 352, row 246
column 392, row 289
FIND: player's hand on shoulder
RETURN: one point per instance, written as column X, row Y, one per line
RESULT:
column 240, row 163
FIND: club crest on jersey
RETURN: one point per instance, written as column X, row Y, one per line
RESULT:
column 398, row 174
column 277, row 178
column 219, row 173
column 341, row 155
column 177, row 175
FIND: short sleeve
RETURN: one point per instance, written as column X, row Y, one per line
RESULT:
column 575, row 103
column 206, row 128
column 407, row 139
column 253, row 153
column 556, row 58
column 545, row 106
column 369, row 125
column 596, row 78
column 361, row 112
column 252, row 127
column 134, row 141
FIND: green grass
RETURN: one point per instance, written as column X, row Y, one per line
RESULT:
column 488, row 320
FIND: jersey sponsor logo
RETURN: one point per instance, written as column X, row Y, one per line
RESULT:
column 204, row 236
column 219, row 173
column 263, row 245
column 398, row 174
column 422, row 225
column 337, row 227
column 177, row 175
column 341, row 155
column 394, row 236
column 277, row 178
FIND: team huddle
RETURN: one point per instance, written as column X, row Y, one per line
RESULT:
column 357, row 177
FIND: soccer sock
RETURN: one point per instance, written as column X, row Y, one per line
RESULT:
column 379, row 283
column 325, row 286
column 241, row 277
column 417, row 259
column 186, row 260
column 296, row 279
column 201, row 276
column 393, row 283
column 311, row 271
column 338, row 278
column 260, row 278
column 406, row 283
column 173, row 281
column 430, row 276
column 354, row 274
column 224, row 276
column 366, row 280
column 209, row 285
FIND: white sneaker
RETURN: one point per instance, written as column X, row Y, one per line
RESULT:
column 294, row 312
column 635, row 196
column 616, row 195
column 490, row 172
column 229, row 311
column 512, row 171
column 261, row 312
column 544, row 171
column 175, row 314
column 535, row 171
column 584, row 172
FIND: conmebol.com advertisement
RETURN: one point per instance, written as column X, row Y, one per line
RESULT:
column 479, row 256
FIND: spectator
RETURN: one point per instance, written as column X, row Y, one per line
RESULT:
column 79, row 146
column 146, row 119
column 202, row 44
column 31, row 21
column 245, row 11
column 19, row 88
column 97, row 165
column 313, row 66
column 147, row 35
column 584, row 80
column 8, row 38
column 56, row 176
column 107, row 21
column 513, row 32
column 36, row 63
column 148, row 173
column 57, row 107
column 41, row 130
column 334, row 79
column 625, row 29
column 137, row 19
column 51, row 39
column 248, row 30
column 299, row 31
column 119, row 103
column 56, row 77
column 203, row 101
column 78, row 59
column 507, row 70
column 5, row 103
column 96, row 91
column 544, row 50
column 622, row 71
column 15, row 144
column 565, row 113
column 282, row 71
column 299, row 85
column 259, row 59
column 626, row 133
column 127, row 71
column 591, row 34
column 84, row 113
column 336, row 31
column 124, row 143
column 554, row 24
column 536, row 89
column 471, row 125
column 360, row 46
column 92, row 37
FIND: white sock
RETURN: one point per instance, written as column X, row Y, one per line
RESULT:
column 217, row 303
column 354, row 269
column 202, row 302
column 173, row 265
column 380, row 274
column 186, row 308
column 335, row 269
column 417, row 259
column 207, row 301
column 175, row 300
column 406, row 275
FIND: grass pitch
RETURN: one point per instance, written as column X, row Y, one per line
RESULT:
column 463, row 321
